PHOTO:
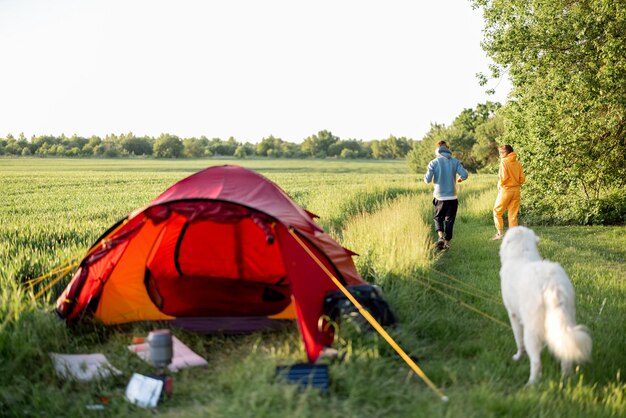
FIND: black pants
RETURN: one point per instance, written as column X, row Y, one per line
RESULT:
column 445, row 213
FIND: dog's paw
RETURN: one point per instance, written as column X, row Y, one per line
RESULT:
column 518, row 355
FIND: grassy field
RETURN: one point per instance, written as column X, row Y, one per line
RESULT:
column 52, row 210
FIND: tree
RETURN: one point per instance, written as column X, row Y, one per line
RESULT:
column 462, row 133
column 196, row 148
column 94, row 141
column 291, row 150
column 45, row 142
column 87, row 150
column 244, row 150
column 398, row 147
column 461, row 136
column 317, row 145
column 348, row 153
column 225, row 148
column 269, row 145
column 230, row 146
column 136, row 145
column 488, row 137
column 423, row 151
column 168, row 146
column 379, row 149
column 75, row 142
column 391, row 147
column 567, row 116
column 341, row 148
column 58, row 150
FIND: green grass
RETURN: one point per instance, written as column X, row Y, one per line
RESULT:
column 54, row 209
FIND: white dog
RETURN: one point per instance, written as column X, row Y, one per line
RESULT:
column 539, row 298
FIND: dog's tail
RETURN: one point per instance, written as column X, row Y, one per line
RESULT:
column 565, row 339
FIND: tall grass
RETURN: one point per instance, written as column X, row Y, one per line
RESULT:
column 52, row 210
column 394, row 240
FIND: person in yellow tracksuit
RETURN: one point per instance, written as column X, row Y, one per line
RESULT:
column 510, row 179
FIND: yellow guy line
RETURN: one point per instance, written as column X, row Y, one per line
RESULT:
column 372, row 321
column 52, row 283
column 465, row 305
column 460, row 289
column 62, row 271
column 454, row 279
column 51, row 272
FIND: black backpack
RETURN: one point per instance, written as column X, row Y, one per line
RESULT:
column 337, row 305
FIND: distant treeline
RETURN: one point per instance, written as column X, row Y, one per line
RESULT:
column 473, row 136
column 322, row 145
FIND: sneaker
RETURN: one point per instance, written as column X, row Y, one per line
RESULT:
column 440, row 244
column 446, row 245
column 497, row 237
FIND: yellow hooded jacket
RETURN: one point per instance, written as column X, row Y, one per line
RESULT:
column 511, row 174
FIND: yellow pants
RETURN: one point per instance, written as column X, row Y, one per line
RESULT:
column 507, row 199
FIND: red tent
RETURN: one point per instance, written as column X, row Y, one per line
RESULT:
column 222, row 248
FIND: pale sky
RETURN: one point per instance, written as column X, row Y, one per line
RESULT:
column 244, row 68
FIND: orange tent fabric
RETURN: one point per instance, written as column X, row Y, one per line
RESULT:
column 215, row 246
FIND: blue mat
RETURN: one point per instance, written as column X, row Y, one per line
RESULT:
column 306, row 375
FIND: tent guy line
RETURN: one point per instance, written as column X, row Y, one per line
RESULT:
column 372, row 321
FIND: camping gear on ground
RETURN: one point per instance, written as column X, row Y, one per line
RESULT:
column 338, row 306
column 306, row 375
column 182, row 356
column 144, row 391
column 224, row 249
column 160, row 348
column 82, row 367
column 168, row 384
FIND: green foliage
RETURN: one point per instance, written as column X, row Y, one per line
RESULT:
column 270, row 147
column 137, row 145
column 168, row 146
column 323, row 145
column 350, row 148
column 244, row 150
column 568, row 117
column 488, row 137
column 462, row 136
column 222, row 148
column 391, row 147
column 423, row 151
column 195, row 147
column 317, row 145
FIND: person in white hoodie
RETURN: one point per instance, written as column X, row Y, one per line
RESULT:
column 443, row 171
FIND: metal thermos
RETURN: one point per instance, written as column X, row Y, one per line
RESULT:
column 160, row 345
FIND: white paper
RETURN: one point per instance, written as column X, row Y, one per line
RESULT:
column 182, row 356
column 83, row 367
column 144, row 391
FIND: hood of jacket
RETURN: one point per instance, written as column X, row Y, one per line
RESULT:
column 443, row 152
column 511, row 156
